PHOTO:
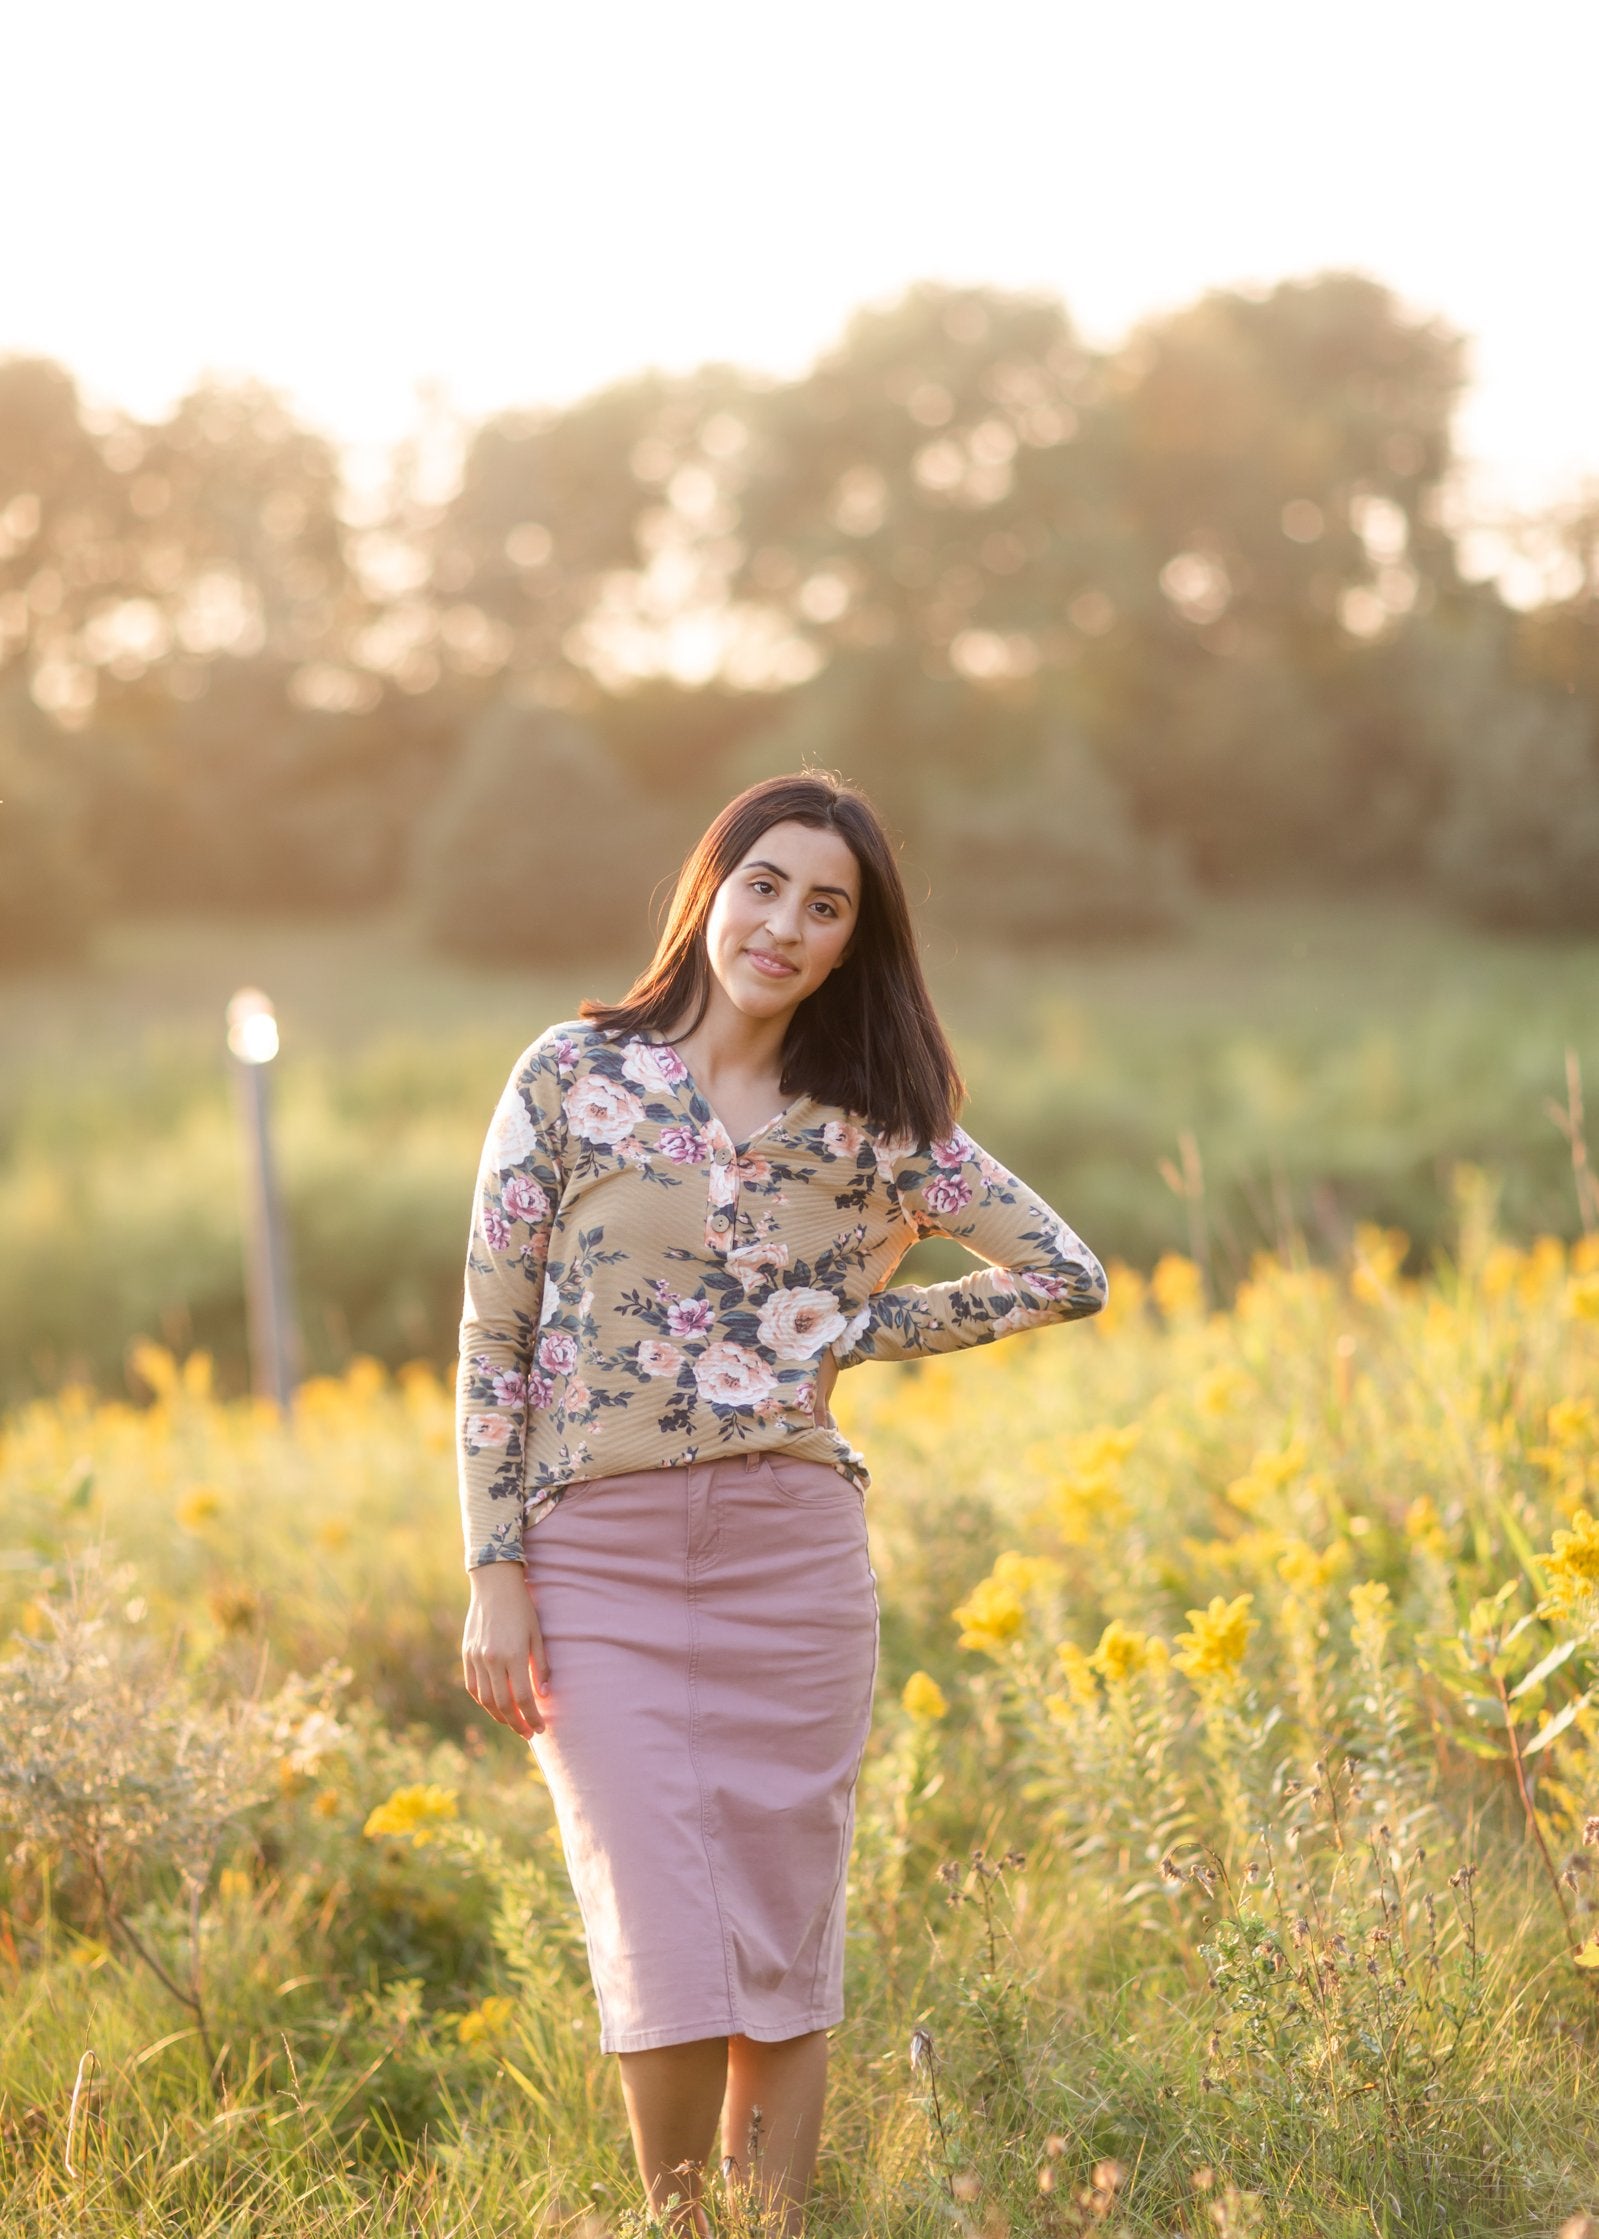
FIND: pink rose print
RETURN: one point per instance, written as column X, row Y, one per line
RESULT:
column 576, row 1396
column 683, row 1146
column 539, row 1390
column 523, row 1199
column 1019, row 1317
column 656, row 1359
column 602, row 1111
column 496, row 1228
column 558, row 1352
column 730, row 1376
column 653, row 1065
column 953, row 1150
column 1048, row 1286
column 888, row 1150
column 487, row 1430
column 566, row 1051
column 754, row 1169
column 795, row 1324
column 509, row 1388
column 689, row 1317
column 750, row 1260
column 722, row 1185
column 947, row 1193
column 843, row 1137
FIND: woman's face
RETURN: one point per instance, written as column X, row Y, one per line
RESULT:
column 783, row 919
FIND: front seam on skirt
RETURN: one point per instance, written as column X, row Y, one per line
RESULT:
column 691, row 1587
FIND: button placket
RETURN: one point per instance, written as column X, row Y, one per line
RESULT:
column 721, row 1215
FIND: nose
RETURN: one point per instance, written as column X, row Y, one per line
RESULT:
column 782, row 923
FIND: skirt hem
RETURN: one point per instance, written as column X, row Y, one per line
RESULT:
column 652, row 2040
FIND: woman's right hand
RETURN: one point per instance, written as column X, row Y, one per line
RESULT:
column 503, row 1663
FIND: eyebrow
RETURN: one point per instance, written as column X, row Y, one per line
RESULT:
column 761, row 864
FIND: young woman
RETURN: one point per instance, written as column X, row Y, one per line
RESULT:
column 688, row 1210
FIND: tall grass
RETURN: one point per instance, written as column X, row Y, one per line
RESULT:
column 1227, row 1846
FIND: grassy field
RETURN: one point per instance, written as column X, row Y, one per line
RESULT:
column 1326, row 1063
column 1230, row 1825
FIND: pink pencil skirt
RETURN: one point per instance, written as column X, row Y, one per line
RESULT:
column 712, row 1637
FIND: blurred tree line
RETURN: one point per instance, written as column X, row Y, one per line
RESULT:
column 1095, row 628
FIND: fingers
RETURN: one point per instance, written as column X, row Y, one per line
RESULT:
column 506, row 1686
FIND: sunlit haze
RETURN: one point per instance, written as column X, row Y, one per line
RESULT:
column 520, row 202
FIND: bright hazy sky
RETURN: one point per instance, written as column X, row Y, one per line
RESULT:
column 518, row 200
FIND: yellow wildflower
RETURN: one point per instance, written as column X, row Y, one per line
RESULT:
column 1371, row 1616
column 1585, row 1255
column 1157, row 1656
column 332, row 1534
column 1080, row 1682
column 364, row 1377
column 415, row 1811
column 326, row 1803
column 200, row 1505
column 1083, row 1508
column 1542, row 1267
column 1177, row 1286
column 1103, row 1447
column 1573, row 1567
column 153, row 1365
column 233, row 1883
column 1424, row 1527
column 1500, row 1267
column 1214, row 1649
column 1582, row 1297
column 995, row 1610
column 924, row 1698
column 1571, row 1421
column 1379, row 1255
column 1221, row 1391
column 1268, row 1473
column 1121, row 1650
column 1311, row 1570
column 991, row 1615
column 491, row 2019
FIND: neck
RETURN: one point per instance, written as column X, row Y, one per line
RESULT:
column 730, row 1046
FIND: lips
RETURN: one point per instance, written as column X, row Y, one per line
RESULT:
column 771, row 967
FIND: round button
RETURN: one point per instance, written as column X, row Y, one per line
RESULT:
column 719, row 1220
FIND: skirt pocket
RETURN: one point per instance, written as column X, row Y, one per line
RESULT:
column 809, row 1484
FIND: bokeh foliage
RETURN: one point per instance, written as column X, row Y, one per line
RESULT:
column 1187, row 611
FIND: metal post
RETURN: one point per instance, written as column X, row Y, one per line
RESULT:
column 274, row 1336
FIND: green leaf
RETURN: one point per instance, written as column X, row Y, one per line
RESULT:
column 1557, row 1725
column 1486, row 1707
column 1480, row 1746
column 1552, row 1662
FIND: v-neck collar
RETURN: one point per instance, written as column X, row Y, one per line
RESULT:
column 694, row 1093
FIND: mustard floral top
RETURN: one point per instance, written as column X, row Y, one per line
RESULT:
column 642, row 1291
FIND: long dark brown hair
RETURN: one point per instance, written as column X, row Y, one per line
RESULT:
column 868, row 1038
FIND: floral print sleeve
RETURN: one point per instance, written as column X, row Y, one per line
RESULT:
column 519, row 1184
column 1039, row 1269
